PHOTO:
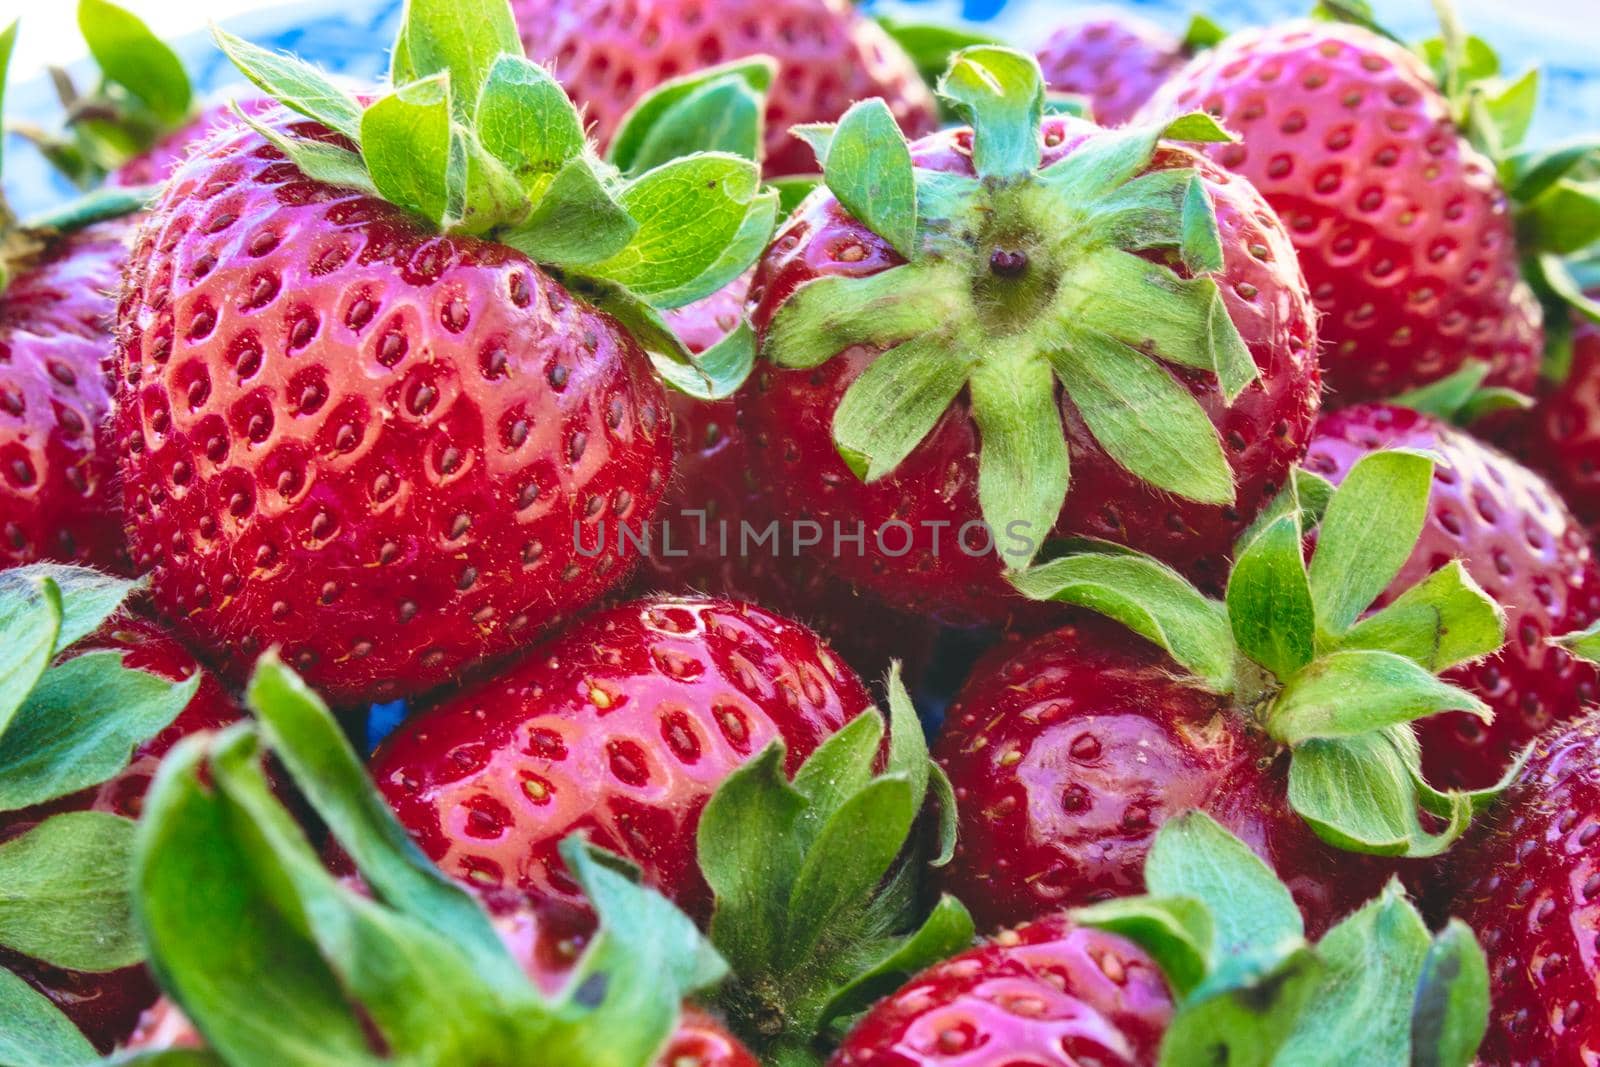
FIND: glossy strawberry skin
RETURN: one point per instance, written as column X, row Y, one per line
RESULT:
column 715, row 488
column 1048, row 994
column 366, row 444
column 621, row 728
column 1115, row 59
column 1264, row 431
column 1402, row 227
column 548, row 939
column 1530, row 887
column 609, row 53
column 1068, row 751
column 1517, row 539
column 57, row 469
column 105, row 1006
column 1560, row 437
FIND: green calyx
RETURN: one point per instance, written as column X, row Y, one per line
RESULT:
column 1250, row 991
column 1294, row 644
column 1091, row 275
column 475, row 139
column 142, row 94
column 67, row 723
column 815, row 880
column 313, row 967
column 1462, row 398
column 1583, row 643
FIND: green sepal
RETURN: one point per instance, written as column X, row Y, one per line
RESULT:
column 999, row 92
column 1202, row 33
column 8, row 44
column 1443, row 620
column 932, row 46
column 525, row 120
column 1530, row 174
column 1195, row 858
column 34, row 1032
column 1584, row 643
column 1352, row 693
column 463, row 39
column 131, row 56
column 892, row 406
column 1269, row 599
column 405, row 143
column 746, row 247
column 576, row 221
column 1201, row 246
column 30, row 622
column 1248, row 1017
column 815, row 885
column 1149, row 598
column 1367, row 534
column 1175, row 931
column 318, row 160
column 793, row 190
column 85, row 599
column 718, row 109
column 828, row 315
column 297, row 85
column 1461, row 397
column 714, row 374
column 867, row 166
column 65, row 898
column 1556, row 276
column 1023, row 464
column 1451, row 1010
column 1563, row 220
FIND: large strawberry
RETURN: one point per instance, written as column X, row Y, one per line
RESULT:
column 713, row 531
column 1529, row 885
column 1275, row 710
column 385, row 383
column 1213, row 967
column 956, row 329
column 1117, row 60
column 609, row 55
column 622, row 728
column 69, row 788
column 1402, row 225
column 1514, row 535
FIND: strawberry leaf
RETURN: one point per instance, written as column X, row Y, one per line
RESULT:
column 932, row 46
column 1370, row 528
column 525, row 120
column 723, row 115
column 1201, row 247
column 321, row 162
column 459, row 38
column 30, row 625
column 1000, row 94
column 136, row 59
column 715, row 374
column 65, row 897
column 405, row 141
column 1023, row 465
column 1147, row 597
column 576, row 222
column 1269, row 599
column 296, row 84
column 1249, row 1015
column 670, row 107
column 62, row 740
column 1143, row 418
column 828, row 315
column 947, row 931
column 1584, row 643
column 1451, row 1012
column 1345, row 694
column 867, row 166
column 88, row 597
column 745, row 248
column 1443, row 620
column 1175, row 931
column 33, row 1032
column 271, row 999
column 891, row 407
column 1195, row 858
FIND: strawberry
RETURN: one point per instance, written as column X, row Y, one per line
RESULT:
column 1518, row 540
column 1402, row 226
column 886, row 407
column 1560, row 437
column 1527, row 884
column 131, row 668
column 714, row 496
column 57, row 468
column 547, row 940
column 1116, row 59
column 1212, row 967
column 387, row 435
column 828, row 54
column 622, row 728
column 1052, row 987
column 1275, row 710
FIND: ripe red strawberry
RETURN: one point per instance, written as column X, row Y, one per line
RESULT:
column 716, row 495
column 1528, row 885
column 57, row 468
column 1072, row 994
column 106, row 1004
column 1560, row 437
column 1402, row 227
column 547, row 939
column 1067, row 756
column 1114, row 58
column 924, row 463
column 1517, row 538
column 621, row 728
column 372, row 432
column 609, row 54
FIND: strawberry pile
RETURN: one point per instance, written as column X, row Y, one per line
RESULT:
column 885, row 550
